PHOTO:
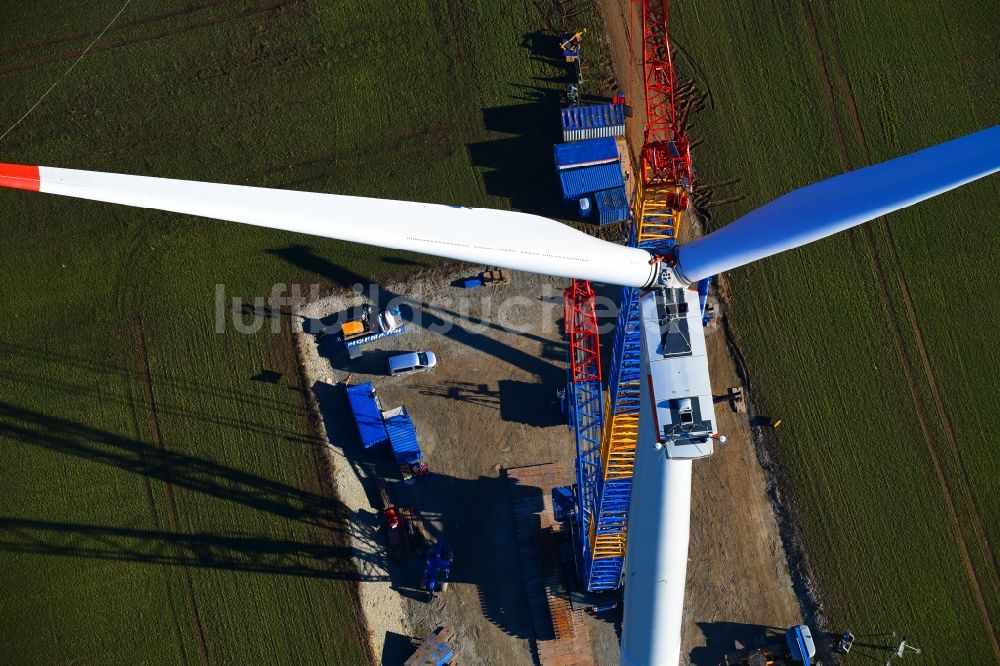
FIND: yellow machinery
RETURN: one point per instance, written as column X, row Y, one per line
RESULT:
column 571, row 46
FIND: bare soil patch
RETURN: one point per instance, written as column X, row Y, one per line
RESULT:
column 491, row 404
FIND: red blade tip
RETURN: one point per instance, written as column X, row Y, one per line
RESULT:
column 19, row 177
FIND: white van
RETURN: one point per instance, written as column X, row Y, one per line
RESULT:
column 403, row 364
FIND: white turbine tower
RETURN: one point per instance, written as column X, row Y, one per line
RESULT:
column 674, row 417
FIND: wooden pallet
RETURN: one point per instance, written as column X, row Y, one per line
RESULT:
column 561, row 635
column 495, row 277
column 431, row 650
column 736, row 400
column 414, row 533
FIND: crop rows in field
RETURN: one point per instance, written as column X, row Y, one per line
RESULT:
column 869, row 344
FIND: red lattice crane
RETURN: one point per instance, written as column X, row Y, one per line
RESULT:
column 666, row 152
column 581, row 333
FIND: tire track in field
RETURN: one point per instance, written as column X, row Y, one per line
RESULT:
column 73, row 54
column 125, row 363
column 172, row 514
column 122, row 25
column 896, row 328
column 911, row 315
column 175, row 625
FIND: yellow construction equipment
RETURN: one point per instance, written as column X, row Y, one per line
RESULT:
column 571, row 46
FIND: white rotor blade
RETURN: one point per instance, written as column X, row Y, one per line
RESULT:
column 478, row 235
column 657, row 557
column 824, row 208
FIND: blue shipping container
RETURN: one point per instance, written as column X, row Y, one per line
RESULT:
column 612, row 205
column 577, row 183
column 585, row 153
column 367, row 415
column 592, row 121
column 403, row 438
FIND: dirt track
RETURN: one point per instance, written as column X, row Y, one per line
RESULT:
column 173, row 519
column 147, row 483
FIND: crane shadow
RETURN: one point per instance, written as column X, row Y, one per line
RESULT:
column 229, row 552
column 518, row 166
column 530, row 403
column 328, row 557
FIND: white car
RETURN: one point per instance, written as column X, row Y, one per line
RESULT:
column 403, row 364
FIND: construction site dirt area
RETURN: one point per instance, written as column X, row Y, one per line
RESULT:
column 492, row 404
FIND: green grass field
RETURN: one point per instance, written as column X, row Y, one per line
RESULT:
column 875, row 346
column 158, row 505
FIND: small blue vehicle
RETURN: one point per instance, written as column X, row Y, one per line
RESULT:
column 438, row 568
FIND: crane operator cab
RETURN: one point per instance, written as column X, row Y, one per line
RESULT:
column 677, row 376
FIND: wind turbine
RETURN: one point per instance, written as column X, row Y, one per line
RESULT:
column 677, row 417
